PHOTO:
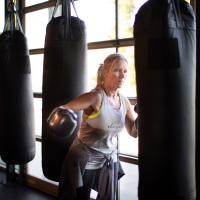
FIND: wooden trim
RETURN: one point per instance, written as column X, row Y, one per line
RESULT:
column 41, row 185
column 37, row 95
column 111, row 43
column 36, row 51
column 128, row 159
column 97, row 45
column 39, row 6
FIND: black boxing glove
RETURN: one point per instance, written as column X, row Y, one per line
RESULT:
column 62, row 122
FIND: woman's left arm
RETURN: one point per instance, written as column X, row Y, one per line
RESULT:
column 129, row 120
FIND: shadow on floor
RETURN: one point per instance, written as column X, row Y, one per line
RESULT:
column 20, row 192
column 17, row 191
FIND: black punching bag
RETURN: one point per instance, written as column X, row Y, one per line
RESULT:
column 198, row 103
column 165, row 46
column 17, row 137
column 63, row 80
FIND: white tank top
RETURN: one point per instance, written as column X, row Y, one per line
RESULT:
column 99, row 131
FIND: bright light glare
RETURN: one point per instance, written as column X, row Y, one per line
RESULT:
column 2, row 13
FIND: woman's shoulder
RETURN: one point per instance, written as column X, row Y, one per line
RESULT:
column 95, row 96
column 98, row 91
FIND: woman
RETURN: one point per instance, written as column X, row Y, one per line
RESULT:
column 92, row 161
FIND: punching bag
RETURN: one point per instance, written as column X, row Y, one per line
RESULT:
column 198, row 103
column 17, row 137
column 63, row 80
column 165, row 62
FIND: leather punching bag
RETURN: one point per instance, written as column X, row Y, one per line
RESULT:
column 165, row 46
column 63, row 80
column 17, row 139
column 197, row 5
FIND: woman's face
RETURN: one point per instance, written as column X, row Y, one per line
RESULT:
column 116, row 74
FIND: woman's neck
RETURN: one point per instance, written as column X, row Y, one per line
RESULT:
column 113, row 97
column 110, row 92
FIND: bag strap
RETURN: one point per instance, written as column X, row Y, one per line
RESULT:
column 12, row 18
column 66, row 12
column 73, row 4
column 55, row 8
column 60, row 2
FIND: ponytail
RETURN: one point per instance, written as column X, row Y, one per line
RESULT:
column 99, row 75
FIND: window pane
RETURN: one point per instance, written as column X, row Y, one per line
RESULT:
column 95, row 58
column 129, row 182
column 99, row 17
column 127, row 144
column 37, row 72
column 2, row 17
column 38, row 116
column 36, row 23
column 129, row 88
column 127, row 12
column 126, row 8
column 35, row 166
column 32, row 2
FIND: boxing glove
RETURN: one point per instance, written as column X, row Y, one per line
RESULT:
column 62, row 122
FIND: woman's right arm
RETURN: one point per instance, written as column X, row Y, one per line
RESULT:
column 85, row 101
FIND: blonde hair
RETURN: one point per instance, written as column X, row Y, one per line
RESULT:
column 107, row 64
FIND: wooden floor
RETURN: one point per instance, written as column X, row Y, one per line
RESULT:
column 17, row 191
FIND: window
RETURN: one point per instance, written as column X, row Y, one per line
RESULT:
column 35, row 31
column 99, row 17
